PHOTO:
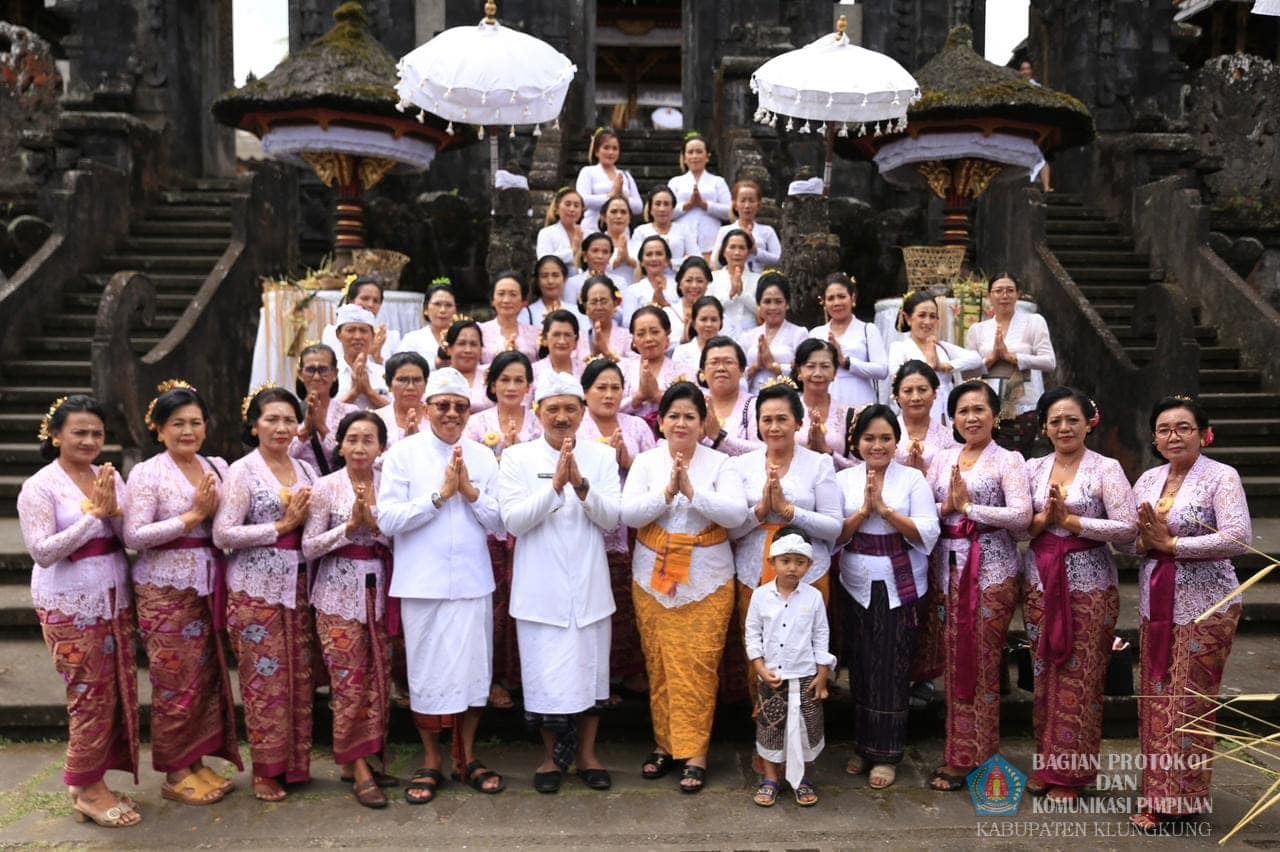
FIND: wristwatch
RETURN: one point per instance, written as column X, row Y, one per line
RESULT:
column 437, row 500
column 715, row 445
column 581, row 490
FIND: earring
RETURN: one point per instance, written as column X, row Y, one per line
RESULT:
column 1203, row 443
column 57, row 442
column 160, row 440
column 702, row 377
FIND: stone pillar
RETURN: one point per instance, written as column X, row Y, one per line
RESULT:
column 511, row 238
column 810, row 252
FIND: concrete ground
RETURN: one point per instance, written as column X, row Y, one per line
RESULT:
column 34, row 811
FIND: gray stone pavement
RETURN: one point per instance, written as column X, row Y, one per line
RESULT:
column 34, row 810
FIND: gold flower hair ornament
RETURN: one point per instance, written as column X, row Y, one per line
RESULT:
column 248, row 400
column 1182, row 397
column 595, row 358
column 782, row 380
column 346, row 287
column 47, row 420
column 161, row 389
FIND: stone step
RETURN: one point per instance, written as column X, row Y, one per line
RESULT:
column 1263, row 493
column 1112, row 292
column 195, row 198
column 72, row 323
column 181, row 228
column 1063, row 199
column 49, row 368
column 62, row 346
column 159, row 263
column 170, row 303
column 20, row 426
column 205, row 184
column 180, row 282
column 1091, row 259
column 1109, row 274
column 10, row 485
column 1239, row 402
column 1093, row 242
column 1062, row 227
column 24, row 458
column 1244, row 431
column 1214, row 379
column 1062, row 213
column 1205, row 334
column 1248, row 461
column 167, row 245
column 37, row 395
column 1225, row 357
column 195, row 211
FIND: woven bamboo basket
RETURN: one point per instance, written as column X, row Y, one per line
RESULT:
column 932, row 266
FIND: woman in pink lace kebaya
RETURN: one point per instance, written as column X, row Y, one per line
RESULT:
column 1081, row 501
column 264, row 505
column 71, row 522
column 180, row 585
column 1192, row 519
column 982, row 495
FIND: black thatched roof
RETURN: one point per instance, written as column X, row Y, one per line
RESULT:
column 346, row 69
column 959, row 84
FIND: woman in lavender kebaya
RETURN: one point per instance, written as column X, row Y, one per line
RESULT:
column 1081, row 501
column 1192, row 519
column 264, row 505
column 353, row 618
column 317, row 387
column 70, row 515
column 982, row 495
column 180, row 586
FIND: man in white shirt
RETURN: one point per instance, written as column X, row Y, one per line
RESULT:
column 360, row 381
column 558, row 499
column 438, row 501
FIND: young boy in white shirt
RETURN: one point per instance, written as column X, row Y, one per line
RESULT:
column 787, row 637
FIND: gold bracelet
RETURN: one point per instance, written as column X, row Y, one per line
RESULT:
column 964, row 510
column 1173, row 546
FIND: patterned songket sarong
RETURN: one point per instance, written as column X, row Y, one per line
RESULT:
column 192, row 709
column 1177, row 774
column 682, row 650
column 506, row 650
column 776, row 720
column 359, row 663
column 1068, row 697
column 273, row 650
column 96, row 661
column 973, row 727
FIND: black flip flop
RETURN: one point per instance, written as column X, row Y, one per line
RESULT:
column 663, row 764
column 693, row 773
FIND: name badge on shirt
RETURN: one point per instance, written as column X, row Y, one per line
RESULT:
column 546, row 476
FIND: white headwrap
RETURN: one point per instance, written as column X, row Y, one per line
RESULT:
column 354, row 313
column 447, row 382
column 558, row 384
column 790, row 543
column 812, row 186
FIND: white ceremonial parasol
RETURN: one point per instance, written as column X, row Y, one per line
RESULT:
column 1266, row 7
column 835, row 82
column 486, row 75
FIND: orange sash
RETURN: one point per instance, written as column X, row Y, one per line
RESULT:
column 675, row 553
column 767, row 573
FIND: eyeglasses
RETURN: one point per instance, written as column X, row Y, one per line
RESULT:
column 408, row 381
column 455, row 407
column 595, row 303
column 1183, row 430
column 313, row 370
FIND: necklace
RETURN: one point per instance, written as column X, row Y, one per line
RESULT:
column 1171, row 487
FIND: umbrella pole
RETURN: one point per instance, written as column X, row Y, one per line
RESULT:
column 831, row 147
column 493, row 154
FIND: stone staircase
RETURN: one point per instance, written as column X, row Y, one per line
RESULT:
column 652, row 157
column 177, row 242
column 1246, row 416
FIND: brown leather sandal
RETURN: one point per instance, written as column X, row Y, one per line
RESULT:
column 369, row 794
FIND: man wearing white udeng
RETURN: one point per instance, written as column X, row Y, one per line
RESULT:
column 438, row 500
column 558, row 500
